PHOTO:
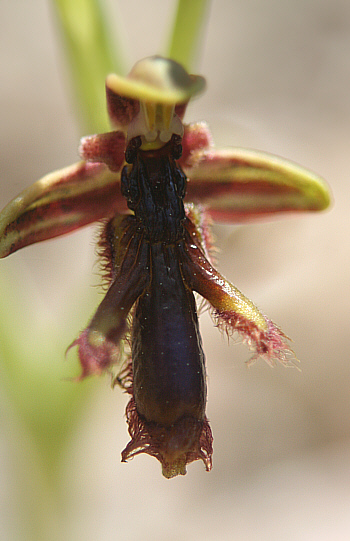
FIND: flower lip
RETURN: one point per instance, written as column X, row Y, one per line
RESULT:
column 158, row 80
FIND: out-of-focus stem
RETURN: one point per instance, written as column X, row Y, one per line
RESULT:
column 92, row 54
column 190, row 18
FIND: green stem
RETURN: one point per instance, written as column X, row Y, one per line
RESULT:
column 92, row 54
column 187, row 30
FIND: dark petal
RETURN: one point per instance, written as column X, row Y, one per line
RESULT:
column 99, row 343
column 175, row 446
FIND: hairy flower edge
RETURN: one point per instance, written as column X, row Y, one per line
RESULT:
column 95, row 358
column 174, row 446
column 270, row 344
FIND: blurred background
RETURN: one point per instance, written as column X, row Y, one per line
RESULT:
column 278, row 80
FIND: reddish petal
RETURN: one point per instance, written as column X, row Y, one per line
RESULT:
column 196, row 141
column 108, row 148
column 238, row 184
column 180, row 109
column 60, row 203
column 121, row 110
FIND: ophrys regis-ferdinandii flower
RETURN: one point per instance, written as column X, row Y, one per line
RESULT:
column 155, row 250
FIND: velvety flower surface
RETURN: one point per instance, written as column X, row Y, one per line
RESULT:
column 155, row 260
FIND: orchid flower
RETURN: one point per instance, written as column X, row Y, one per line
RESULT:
column 224, row 185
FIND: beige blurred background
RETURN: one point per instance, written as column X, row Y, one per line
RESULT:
column 278, row 80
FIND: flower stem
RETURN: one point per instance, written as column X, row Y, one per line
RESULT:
column 187, row 30
column 92, row 54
